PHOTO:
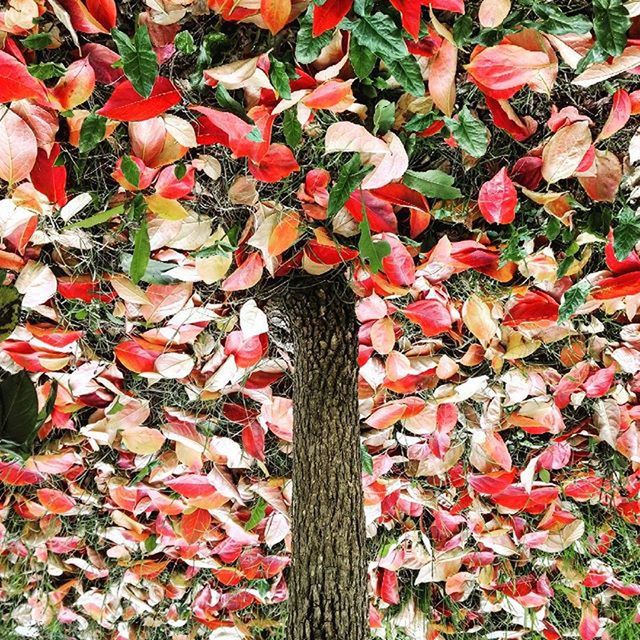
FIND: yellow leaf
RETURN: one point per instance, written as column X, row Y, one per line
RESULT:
column 518, row 349
column 142, row 440
column 477, row 316
column 165, row 208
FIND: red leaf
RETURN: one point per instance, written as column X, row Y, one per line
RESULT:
column 498, row 199
column 253, row 440
column 507, row 119
column 379, row 212
column 220, row 127
column 277, row 164
column 455, row 6
column 127, row 105
column 246, row 275
column 13, row 474
column 101, row 58
column 619, row 115
column 192, row 486
column 627, row 284
column 16, row 82
column 324, row 251
column 104, row 11
column 82, row 288
column 503, row 70
column 534, row 306
column 432, row 316
column 98, row 16
column 491, row 483
column 600, row 382
column 49, row 179
column 589, row 622
column 410, row 11
column 134, row 357
column 328, row 15
column 398, row 265
column 389, row 591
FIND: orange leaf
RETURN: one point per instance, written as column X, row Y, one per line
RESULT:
column 275, row 13
column 195, row 525
column 55, row 501
column 442, row 77
column 284, row 233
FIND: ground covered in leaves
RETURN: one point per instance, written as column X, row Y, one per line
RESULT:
column 470, row 167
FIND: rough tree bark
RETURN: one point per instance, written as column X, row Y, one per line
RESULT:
column 328, row 598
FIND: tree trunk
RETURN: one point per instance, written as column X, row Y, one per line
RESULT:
column 328, row 597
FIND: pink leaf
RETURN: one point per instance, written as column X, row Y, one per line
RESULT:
column 498, row 199
column 18, row 147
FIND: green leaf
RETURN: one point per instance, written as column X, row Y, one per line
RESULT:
column 367, row 460
column 46, row 70
column 37, row 41
column 371, row 252
column 98, row 218
column 471, row 135
column 18, row 411
column 595, row 55
column 180, row 170
column 349, row 179
column 552, row 228
column 573, row 299
column 139, row 60
column 383, row 117
column 184, row 43
column 141, row 253
column 626, row 233
column 564, row 265
column 49, row 405
column 279, row 78
column 307, row 47
column 362, row 60
column 229, row 103
column 611, row 23
column 558, row 23
column 92, row 132
column 433, row 184
column 292, row 128
column 257, row 515
column 420, row 122
column 255, row 135
column 514, row 250
column 380, row 34
column 10, row 304
column 407, row 73
column 155, row 273
column 462, row 30
column 130, row 170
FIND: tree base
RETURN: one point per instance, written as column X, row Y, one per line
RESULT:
column 327, row 587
